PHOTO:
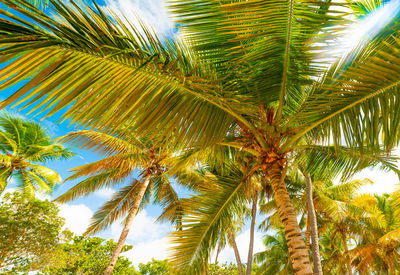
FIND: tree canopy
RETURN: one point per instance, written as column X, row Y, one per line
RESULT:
column 30, row 228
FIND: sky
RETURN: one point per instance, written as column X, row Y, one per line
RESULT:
column 149, row 239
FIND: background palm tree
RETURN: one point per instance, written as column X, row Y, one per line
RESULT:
column 124, row 156
column 376, row 234
column 245, row 67
column 275, row 259
column 24, row 145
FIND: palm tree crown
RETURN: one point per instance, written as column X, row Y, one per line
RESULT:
column 124, row 155
column 24, row 144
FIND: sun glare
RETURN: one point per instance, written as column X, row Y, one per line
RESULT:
column 362, row 31
column 366, row 28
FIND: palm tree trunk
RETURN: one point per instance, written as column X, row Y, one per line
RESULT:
column 218, row 251
column 251, row 244
column 297, row 249
column 391, row 266
column 236, row 250
column 346, row 250
column 127, row 226
column 308, row 231
column 314, row 228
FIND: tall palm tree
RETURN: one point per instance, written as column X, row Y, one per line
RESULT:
column 124, row 156
column 24, row 145
column 250, row 67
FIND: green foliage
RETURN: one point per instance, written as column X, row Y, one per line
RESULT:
column 223, row 269
column 24, row 144
column 156, row 267
column 163, row 267
column 275, row 259
column 88, row 256
column 29, row 229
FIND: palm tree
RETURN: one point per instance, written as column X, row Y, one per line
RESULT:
column 245, row 67
column 123, row 156
column 333, row 205
column 275, row 259
column 377, row 235
column 24, row 144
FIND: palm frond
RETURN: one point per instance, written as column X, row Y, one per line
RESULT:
column 355, row 104
column 90, row 62
column 204, row 215
column 91, row 184
column 51, row 177
column 329, row 162
column 125, row 164
column 114, row 209
column 102, row 143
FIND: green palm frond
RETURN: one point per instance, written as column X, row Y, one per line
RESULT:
column 114, row 209
column 125, row 164
column 256, row 46
column 114, row 61
column 43, row 153
column 204, row 215
column 356, row 106
column 362, row 8
column 275, row 259
column 5, row 173
column 39, row 182
column 164, row 194
column 343, row 161
column 103, row 143
column 51, row 177
column 25, row 183
column 93, row 183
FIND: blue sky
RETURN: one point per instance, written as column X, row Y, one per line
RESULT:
column 148, row 238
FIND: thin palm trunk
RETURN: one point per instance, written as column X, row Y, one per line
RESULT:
column 297, row 249
column 346, row 250
column 314, row 229
column 391, row 266
column 236, row 250
column 127, row 226
column 251, row 244
column 308, row 230
column 218, row 251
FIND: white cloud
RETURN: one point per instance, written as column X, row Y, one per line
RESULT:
column 143, row 229
column 242, row 241
column 152, row 12
column 76, row 216
column 147, row 237
column 383, row 182
column 143, row 252
column 51, row 127
column 105, row 193
column 7, row 190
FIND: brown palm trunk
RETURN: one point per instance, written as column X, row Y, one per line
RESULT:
column 308, row 231
column 297, row 249
column 314, row 228
column 346, row 250
column 236, row 250
column 251, row 244
column 127, row 226
column 391, row 266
